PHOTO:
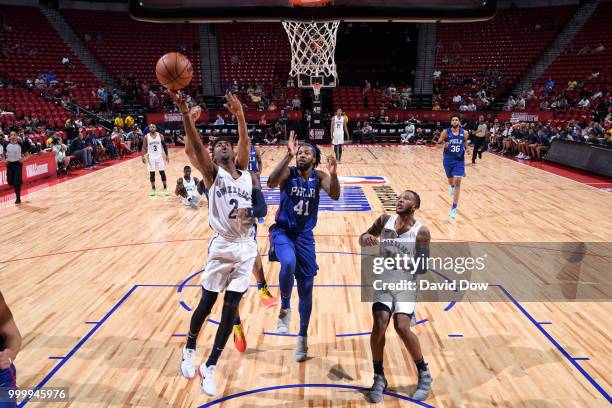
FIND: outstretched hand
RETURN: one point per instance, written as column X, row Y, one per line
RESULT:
column 179, row 99
column 292, row 144
column 332, row 165
column 233, row 104
column 195, row 113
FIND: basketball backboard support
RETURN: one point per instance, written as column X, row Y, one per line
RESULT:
column 209, row 11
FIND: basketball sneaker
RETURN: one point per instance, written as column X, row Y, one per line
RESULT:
column 208, row 380
column 282, row 324
column 423, row 386
column 153, row 193
column 266, row 297
column 239, row 338
column 188, row 363
column 165, row 192
column 453, row 213
column 301, row 350
column 375, row 394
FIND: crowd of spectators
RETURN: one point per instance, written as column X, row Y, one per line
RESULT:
column 467, row 93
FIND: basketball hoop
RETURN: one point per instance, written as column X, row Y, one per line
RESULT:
column 313, row 46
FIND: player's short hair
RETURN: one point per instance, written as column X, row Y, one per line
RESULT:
column 455, row 115
column 315, row 150
column 222, row 139
column 417, row 198
column 187, row 168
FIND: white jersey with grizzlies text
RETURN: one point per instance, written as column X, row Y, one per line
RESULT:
column 154, row 145
column 391, row 243
column 226, row 195
column 190, row 185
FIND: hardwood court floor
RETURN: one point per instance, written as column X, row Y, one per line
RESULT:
column 91, row 269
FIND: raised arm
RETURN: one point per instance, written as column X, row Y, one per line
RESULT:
column 203, row 159
column 280, row 174
column 195, row 114
column 243, row 149
column 423, row 239
column 329, row 181
column 370, row 237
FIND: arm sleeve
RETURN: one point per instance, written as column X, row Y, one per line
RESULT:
column 260, row 208
column 164, row 147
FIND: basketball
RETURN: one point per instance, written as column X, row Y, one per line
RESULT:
column 174, row 71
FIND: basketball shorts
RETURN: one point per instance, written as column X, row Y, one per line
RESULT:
column 229, row 265
column 338, row 138
column 454, row 168
column 8, row 379
column 397, row 302
column 298, row 248
column 194, row 197
column 156, row 163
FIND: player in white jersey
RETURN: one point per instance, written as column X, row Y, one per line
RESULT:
column 234, row 201
column 400, row 233
column 338, row 131
column 155, row 156
column 189, row 189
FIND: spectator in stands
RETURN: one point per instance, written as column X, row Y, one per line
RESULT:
column 592, row 138
column 550, row 84
column 219, row 121
column 262, row 120
column 282, row 120
column 409, row 133
column 585, row 50
column 290, row 83
column 66, row 62
column 272, row 107
column 118, row 122
column 57, row 147
column 129, row 121
column 272, row 134
column 78, row 149
column 584, row 103
column 296, row 103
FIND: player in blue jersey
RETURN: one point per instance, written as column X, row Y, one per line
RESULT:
column 291, row 237
column 10, row 344
column 454, row 139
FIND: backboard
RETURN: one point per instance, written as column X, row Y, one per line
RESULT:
column 203, row 11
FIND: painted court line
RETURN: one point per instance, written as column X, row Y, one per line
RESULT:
column 94, row 329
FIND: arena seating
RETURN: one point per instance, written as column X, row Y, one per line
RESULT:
column 571, row 66
column 132, row 48
column 30, row 104
column 509, row 42
column 254, row 52
column 32, row 31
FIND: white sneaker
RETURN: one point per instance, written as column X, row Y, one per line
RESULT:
column 188, row 363
column 301, row 350
column 519, row 156
column 208, row 380
column 282, row 324
column 528, row 158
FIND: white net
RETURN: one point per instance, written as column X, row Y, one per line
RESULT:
column 313, row 46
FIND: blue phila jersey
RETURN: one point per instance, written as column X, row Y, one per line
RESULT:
column 299, row 202
column 252, row 167
column 455, row 147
